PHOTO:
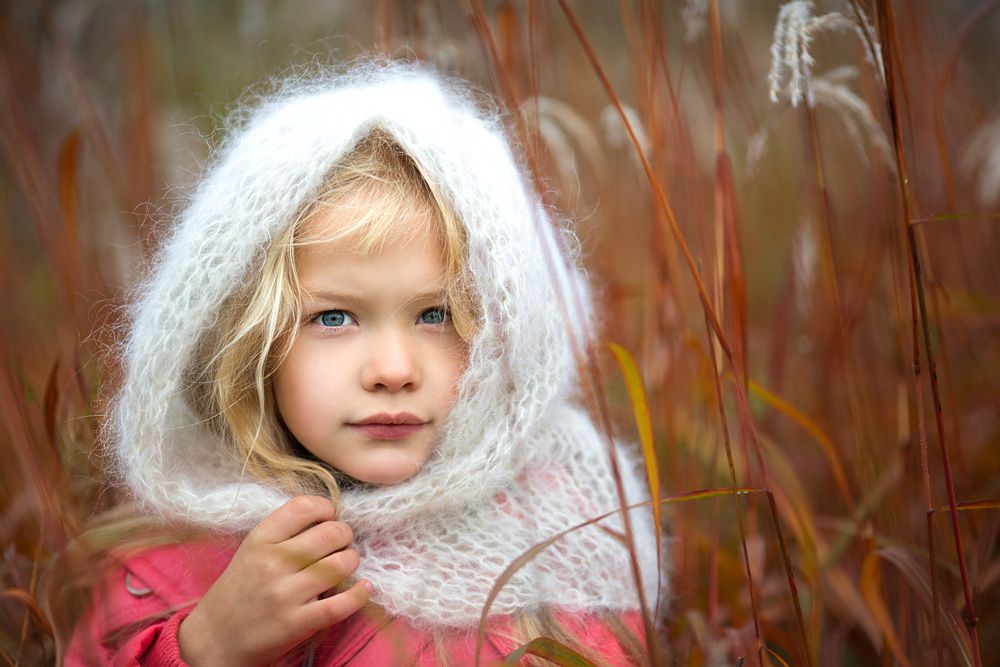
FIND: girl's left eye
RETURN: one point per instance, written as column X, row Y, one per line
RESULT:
column 437, row 315
column 334, row 319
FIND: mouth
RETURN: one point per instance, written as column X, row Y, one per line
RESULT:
column 386, row 426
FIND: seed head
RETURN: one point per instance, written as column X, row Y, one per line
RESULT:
column 790, row 75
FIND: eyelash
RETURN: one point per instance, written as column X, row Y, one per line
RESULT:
column 317, row 318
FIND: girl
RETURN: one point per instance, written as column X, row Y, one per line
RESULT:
column 351, row 364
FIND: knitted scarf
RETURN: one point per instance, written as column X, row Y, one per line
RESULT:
column 517, row 461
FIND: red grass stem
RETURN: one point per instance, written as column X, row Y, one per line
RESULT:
column 661, row 196
column 740, row 519
column 890, row 47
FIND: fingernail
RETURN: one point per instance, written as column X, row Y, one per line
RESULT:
column 368, row 586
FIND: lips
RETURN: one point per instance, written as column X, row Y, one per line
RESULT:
column 386, row 426
column 390, row 418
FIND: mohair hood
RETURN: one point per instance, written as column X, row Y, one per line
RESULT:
column 517, row 461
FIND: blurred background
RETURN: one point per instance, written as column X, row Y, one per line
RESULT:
column 794, row 237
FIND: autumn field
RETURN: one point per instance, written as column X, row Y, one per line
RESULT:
column 788, row 211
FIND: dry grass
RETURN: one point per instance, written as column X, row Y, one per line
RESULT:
column 817, row 328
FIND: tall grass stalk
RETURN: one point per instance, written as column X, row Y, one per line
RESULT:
column 918, row 306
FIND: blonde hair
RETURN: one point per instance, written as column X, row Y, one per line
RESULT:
column 229, row 381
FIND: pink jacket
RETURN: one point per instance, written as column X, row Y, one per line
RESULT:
column 137, row 613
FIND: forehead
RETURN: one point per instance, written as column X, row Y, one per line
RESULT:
column 336, row 257
column 367, row 218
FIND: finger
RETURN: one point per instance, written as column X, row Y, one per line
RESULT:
column 293, row 517
column 318, row 541
column 328, row 611
column 324, row 574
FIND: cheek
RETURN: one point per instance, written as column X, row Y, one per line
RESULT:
column 286, row 400
column 453, row 367
column 300, row 387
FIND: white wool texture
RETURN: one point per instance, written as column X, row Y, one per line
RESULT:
column 517, row 461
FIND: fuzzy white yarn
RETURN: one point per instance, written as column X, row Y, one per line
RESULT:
column 517, row 461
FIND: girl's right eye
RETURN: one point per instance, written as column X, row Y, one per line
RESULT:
column 334, row 319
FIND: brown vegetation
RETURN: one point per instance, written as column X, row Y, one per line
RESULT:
column 808, row 288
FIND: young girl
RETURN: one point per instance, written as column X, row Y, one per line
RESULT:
column 352, row 364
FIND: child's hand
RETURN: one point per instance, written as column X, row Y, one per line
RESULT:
column 267, row 600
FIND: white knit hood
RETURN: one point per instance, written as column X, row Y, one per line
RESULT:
column 517, row 461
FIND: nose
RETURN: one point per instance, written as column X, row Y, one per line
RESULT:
column 392, row 364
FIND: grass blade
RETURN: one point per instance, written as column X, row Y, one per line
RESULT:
column 550, row 649
column 890, row 47
column 524, row 558
column 914, row 572
column 871, row 588
column 968, row 506
column 637, row 395
column 803, row 420
column 30, row 605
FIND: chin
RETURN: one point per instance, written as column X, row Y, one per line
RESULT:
column 385, row 477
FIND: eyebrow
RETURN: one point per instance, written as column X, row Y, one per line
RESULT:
column 330, row 295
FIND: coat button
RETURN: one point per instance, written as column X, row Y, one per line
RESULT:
column 138, row 591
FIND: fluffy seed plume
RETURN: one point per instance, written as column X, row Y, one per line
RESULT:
column 791, row 63
column 614, row 129
column 983, row 152
column 561, row 128
column 830, row 90
column 805, row 251
column 694, row 15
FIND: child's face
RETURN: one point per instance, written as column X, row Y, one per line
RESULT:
column 376, row 345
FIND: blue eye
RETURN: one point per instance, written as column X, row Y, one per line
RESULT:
column 335, row 318
column 435, row 315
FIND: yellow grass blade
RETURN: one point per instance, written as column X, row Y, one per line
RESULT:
column 803, row 420
column 971, row 505
column 550, row 649
column 777, row 658
column 640, row 408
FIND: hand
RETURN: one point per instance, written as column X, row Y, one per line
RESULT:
column 267, row 599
